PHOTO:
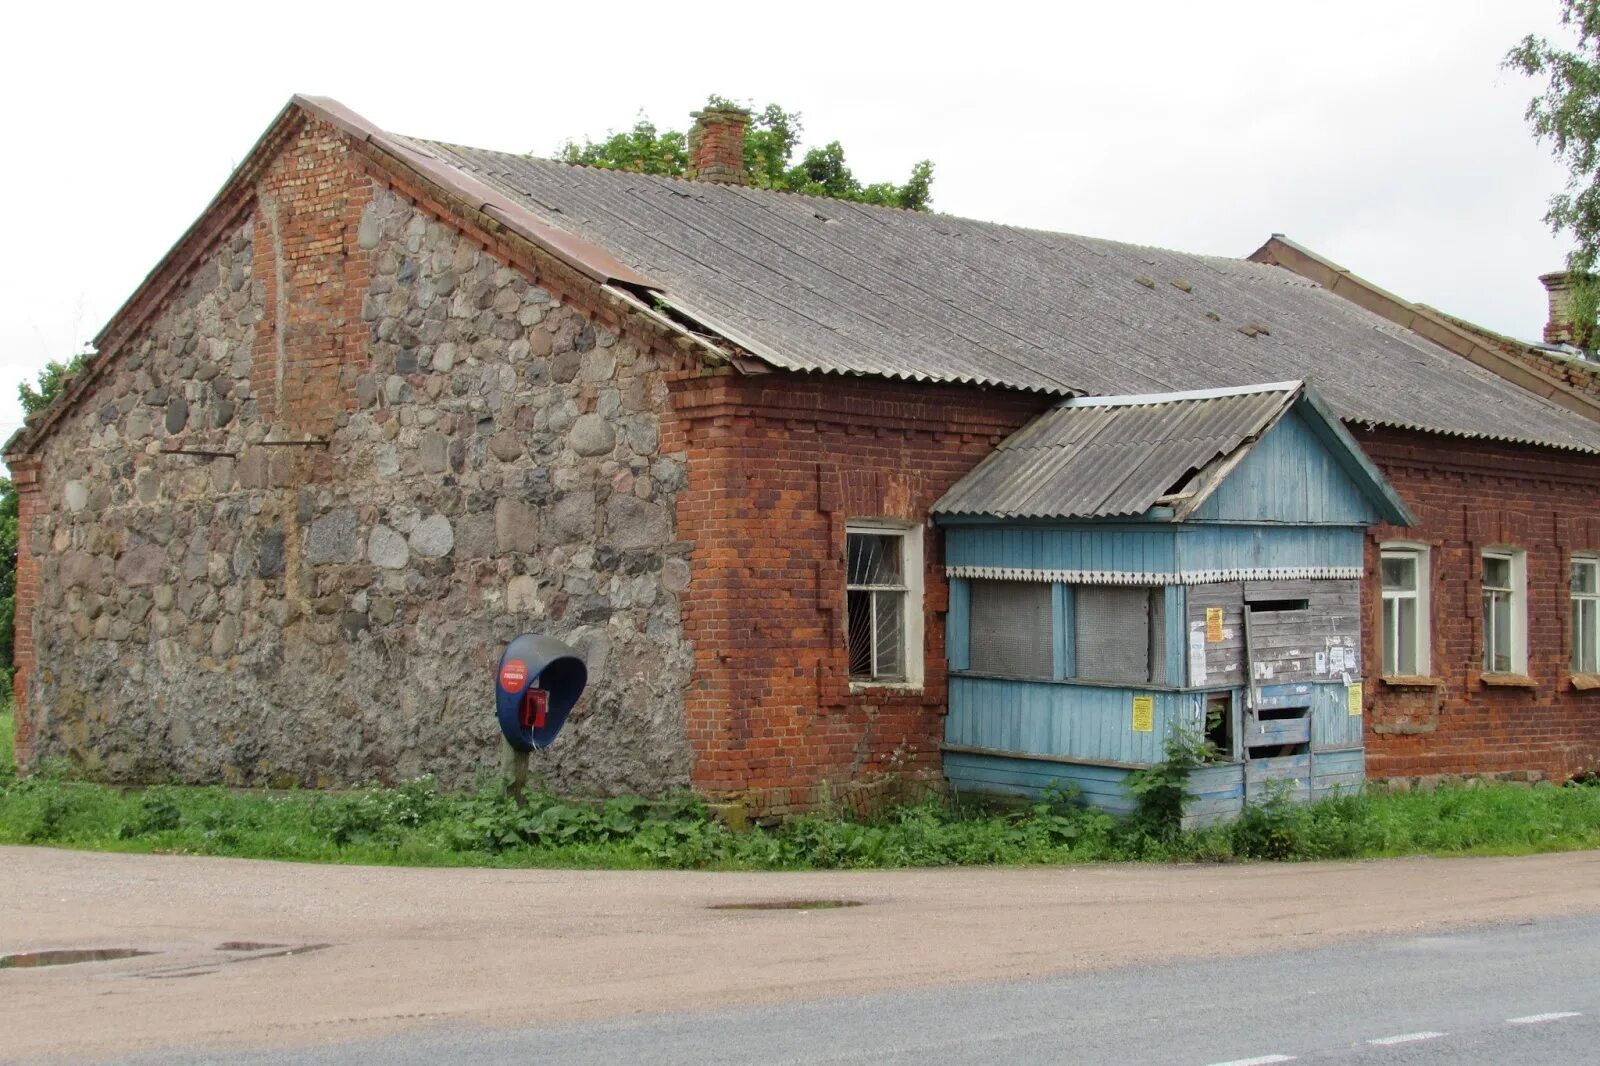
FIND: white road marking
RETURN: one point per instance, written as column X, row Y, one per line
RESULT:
column 1535, row 1019
column 1406, row 1038
column 1259, row 1060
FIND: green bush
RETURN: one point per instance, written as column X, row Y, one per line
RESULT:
column 8, row 739
column 416, row 824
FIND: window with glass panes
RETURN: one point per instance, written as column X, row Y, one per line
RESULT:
column 1586, row 615
column 876, row 593
column 1502, row 610
column 1405, row 611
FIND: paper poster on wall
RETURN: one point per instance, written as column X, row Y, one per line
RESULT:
column 1214, row 625
column 1353, row 697
column 1322, row 662
column 1197, row 653
column 1335, row 659
column 1144, row 714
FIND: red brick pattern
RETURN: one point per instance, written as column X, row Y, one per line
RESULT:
column 777, row 465
column 25, row 479
column 310, row 345
column 716, row 147
column 1469, row 495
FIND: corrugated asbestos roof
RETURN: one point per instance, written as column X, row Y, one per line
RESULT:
column 813, row 284
column 1089, row 459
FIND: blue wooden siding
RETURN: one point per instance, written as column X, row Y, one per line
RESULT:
column 1103, row 787
column 1064, row 652
column 1289, row 506
column 1289, row 477
column 1216, row 793
column 1175, row 635
column 1337, row 773
column 1128, row 548
column 1079, row 721
column 957, row 638
column 1333, row 727
column 1257, row 547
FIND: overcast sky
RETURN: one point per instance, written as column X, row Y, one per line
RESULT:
column 1380, row 134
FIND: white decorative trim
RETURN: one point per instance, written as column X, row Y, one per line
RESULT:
column 1135, row 577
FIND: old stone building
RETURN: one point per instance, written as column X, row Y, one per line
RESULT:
column 390, row 402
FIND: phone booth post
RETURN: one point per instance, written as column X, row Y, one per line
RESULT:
column 536, row 687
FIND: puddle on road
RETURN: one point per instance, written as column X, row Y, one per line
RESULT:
column 301, row 949
column 787, row 905
column 28, row 960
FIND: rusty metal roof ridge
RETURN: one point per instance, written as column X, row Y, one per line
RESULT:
column 1467, row 342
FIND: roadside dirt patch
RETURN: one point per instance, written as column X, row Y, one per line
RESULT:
column 414, row 947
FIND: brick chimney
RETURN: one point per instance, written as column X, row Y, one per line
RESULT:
column 716, row 145
column 1558, row 330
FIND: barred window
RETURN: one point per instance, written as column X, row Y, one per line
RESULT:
column 1010, row 630
column 882, row 599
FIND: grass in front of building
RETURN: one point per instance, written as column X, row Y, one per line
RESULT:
column 8, row 739
column 416, row 824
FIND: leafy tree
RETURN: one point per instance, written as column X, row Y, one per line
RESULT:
column 769, row 147
column 52, row 380
column 1567, row 115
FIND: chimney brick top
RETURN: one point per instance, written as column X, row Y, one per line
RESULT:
column 716, row 145
column 1558, row 328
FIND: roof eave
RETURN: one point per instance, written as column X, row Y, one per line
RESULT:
column 1347, row 452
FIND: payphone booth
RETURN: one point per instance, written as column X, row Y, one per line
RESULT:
column 538, row 684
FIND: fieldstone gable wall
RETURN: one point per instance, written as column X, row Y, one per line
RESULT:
column 286, row 536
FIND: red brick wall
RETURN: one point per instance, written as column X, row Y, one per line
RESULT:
column 25, row 478
column 1585, row 377
column 311, row 344
column 1468, row 495
column 777, row 465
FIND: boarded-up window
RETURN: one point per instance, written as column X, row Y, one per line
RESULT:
column 1010, row 630
column 1119, row 633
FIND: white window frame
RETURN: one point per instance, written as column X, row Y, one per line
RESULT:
column 1582, row 638
column 1518, row 637
column 1418, row 554
column 914, row 652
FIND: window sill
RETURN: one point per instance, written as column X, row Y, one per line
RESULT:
column 1584, row 682
column 1508, row 681
column 1411, row 681
column 901, row 687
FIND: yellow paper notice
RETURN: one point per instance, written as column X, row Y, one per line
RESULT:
column 1144, row 714
column 1353, row 695
column 1213, row 625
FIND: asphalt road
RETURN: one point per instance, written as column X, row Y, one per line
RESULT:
column 1525, row 993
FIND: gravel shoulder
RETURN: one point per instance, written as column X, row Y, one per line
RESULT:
column 410, row 947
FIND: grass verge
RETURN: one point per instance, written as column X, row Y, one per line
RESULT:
column 417, row 825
